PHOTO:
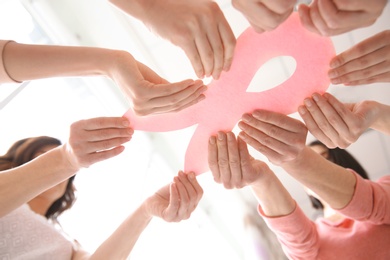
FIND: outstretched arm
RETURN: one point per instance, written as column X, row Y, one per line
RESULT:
column 90, row 141
column 198, row 27
column 173, row 203
column 338, row 125
column 147, row 91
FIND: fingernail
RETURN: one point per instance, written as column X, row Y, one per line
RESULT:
column 334, row 63
column 191, row 175
column 130, row 131
column 335, row 81
column 332, row 74
column 220, row 136
column 212, row 140
column 246, row 118
column 125, row 123
column 307, row 102
column 301, row 110
column 316, row 97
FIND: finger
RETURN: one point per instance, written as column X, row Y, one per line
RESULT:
column 266, row 18
column 213, row 159
column 171, row 211
column 206, row 53
column 320, row 119
column 363, row 74
column 318, row 20
column 101, row 123
column 304, row 15
column 229, row 44
column 104, row 134
column 217, row 49
column 192, row 52
column 311, row 124
column 100, row 156
column 264, row 140
column 171, row 103
column 196, row 186
column 191, row 192
column 245, row 157
column 234, row 161
column 223, row 159
column 91, row 147
column 375, row 6
column 281, row 7
column 384, row 77
column 339, row 20
column 349, row 119
column 267, row 152
column 263, row 118
column 361, row 49
column 338, row 116
column 182, row 213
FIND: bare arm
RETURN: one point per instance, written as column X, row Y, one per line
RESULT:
column 173, row 203
column 147, row 91
column 21, row 184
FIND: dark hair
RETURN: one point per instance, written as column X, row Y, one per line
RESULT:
column 344, row 159
column 25, row 150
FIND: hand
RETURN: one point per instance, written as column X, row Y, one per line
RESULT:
column 97, row 139
column 365, row 63
column 265, row 15
column 199, row 28
column 336, row 124
column 177, row 200
column 279, row 137
column 230, row 162
column 333, row 17
column 150, row 93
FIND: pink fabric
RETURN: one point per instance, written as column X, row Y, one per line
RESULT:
column 4, row 77
column 365, row 234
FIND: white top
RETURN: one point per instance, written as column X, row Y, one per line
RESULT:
column 27, row 235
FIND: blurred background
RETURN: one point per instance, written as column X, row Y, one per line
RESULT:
column 225, row 225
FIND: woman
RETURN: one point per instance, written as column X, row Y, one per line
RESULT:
column 32, row 231
column 356, row 209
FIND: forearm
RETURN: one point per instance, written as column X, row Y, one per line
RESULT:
column 382, row 123
column 25, row 62
column 135, row 8
column 273, row 197
column 334, row 184
column 20, row 185
column 122, row 241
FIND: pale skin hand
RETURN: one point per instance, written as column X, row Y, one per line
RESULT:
column 148, row 92
column 96, row 139
column 265, row 15
column 365, row 63
column 338, row 125
column 199, row 28
column 232, row 165
column 279, row 139
column 282, row 140
column 173, row 203
column 177, row 200
column 333, row 17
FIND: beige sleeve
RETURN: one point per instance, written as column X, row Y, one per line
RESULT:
column 4, row 77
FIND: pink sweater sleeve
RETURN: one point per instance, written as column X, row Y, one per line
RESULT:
column 4, row 77
column 296, row 232
column 370, row 202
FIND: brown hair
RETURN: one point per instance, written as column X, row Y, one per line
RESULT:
column 25, row 150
